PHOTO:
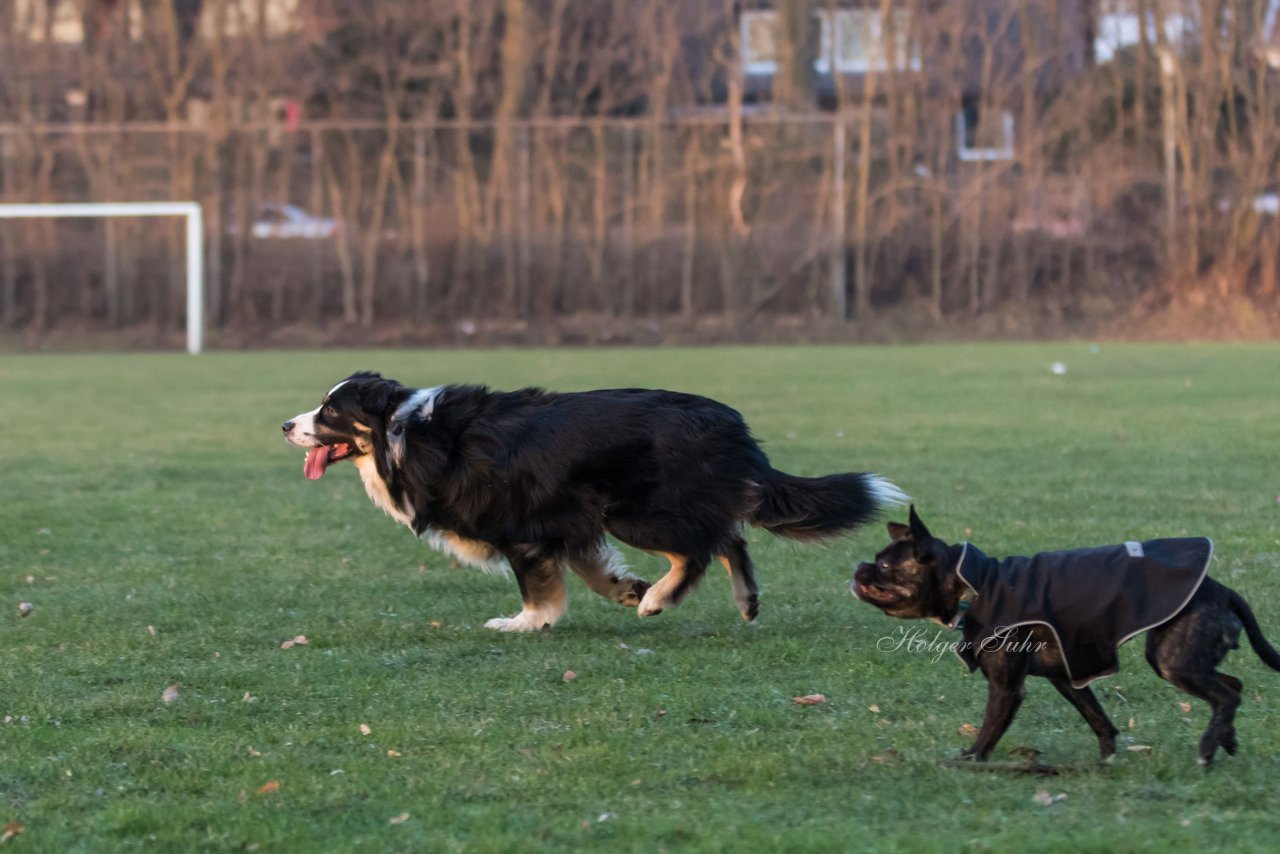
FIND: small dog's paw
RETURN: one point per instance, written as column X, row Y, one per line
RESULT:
column 752, row 609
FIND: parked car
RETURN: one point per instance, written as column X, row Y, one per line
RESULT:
column 276, row 221
column 1266, row 202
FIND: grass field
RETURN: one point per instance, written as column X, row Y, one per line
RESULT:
column 167, row 537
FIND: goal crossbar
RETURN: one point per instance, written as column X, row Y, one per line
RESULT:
column 195, row 242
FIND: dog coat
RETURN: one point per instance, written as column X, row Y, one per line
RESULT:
column 1093, row 600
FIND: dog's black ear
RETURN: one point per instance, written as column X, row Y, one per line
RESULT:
column 383, row 396
column 919, row 532
column 898, row 531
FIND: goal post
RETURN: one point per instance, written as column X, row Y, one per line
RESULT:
column 195, row 242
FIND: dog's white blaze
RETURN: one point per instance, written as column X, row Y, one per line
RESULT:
column 884, row 492
column 303, row 431
column 376, row 488
column 335, row 388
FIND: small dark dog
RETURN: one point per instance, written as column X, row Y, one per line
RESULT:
column 1061, row 615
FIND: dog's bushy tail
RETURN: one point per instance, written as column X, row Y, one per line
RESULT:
column 808, row 508
column 1260, row 644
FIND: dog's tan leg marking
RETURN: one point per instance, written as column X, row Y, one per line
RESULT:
column 545, row 601
column 605, row 572
column 659, row 595
column 471, row 551
column 746, row 593
column 742, row 595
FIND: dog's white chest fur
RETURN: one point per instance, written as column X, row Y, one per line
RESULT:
column 376, row 488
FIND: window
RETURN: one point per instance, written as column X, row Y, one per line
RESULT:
column 760, row 38
column 59, row 21
column 863, row 41
column 1118, row 28
column 983, row 135
column 866, row 42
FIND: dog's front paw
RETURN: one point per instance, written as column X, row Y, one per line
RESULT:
column 522, row 622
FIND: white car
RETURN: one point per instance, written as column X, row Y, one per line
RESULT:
column 275, row 221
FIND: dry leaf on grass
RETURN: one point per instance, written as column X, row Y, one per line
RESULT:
column 151, row 630
column 25, row 609
column 253, row 752
column 298, row 640
column 364, row 729
column 569, row 676
column 1186, row 707
column 399, row 819
column 1140, row 748
column 1045, row 799
column 873, row 708
column 393, row 753
column 269, row 787
column 967, row 730
column 810, row 700
column 170, row 694
column 11, row 830
column 886, row 756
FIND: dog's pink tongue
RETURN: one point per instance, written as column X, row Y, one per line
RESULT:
column 317, row 459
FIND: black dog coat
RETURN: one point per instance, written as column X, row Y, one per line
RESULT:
column 1093, row 600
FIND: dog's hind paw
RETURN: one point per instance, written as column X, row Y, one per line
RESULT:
column 650, row 605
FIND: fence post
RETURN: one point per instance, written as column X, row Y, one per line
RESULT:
column 628, row 220
column 522, row 201
column 839, row 229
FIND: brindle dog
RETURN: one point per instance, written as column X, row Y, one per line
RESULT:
column 913, row 578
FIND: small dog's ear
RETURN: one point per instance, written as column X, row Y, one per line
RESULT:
column 919, row 532
column 898, row 531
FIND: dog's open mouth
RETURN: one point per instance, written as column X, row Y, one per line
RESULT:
column 319, row 457
column 871, row 593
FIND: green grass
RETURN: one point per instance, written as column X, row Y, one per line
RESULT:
column 154, row 490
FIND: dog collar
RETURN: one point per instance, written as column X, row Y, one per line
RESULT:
column 966, row 598
column 421, row 403
column 962, row 609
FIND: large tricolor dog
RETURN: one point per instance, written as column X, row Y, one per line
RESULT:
column 534, row 480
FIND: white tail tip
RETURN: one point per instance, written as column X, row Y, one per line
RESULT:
column 885, row 493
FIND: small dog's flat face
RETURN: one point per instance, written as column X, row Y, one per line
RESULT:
column 341, row 427
column 905, row 580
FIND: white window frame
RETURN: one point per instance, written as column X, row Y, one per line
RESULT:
column 877, row 58
column 972, row 155
column 756, row 67
column 1118, row 28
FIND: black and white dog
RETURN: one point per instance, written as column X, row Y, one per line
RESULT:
column 533, row 480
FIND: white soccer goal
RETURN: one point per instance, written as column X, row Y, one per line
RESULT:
column 195, row 242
